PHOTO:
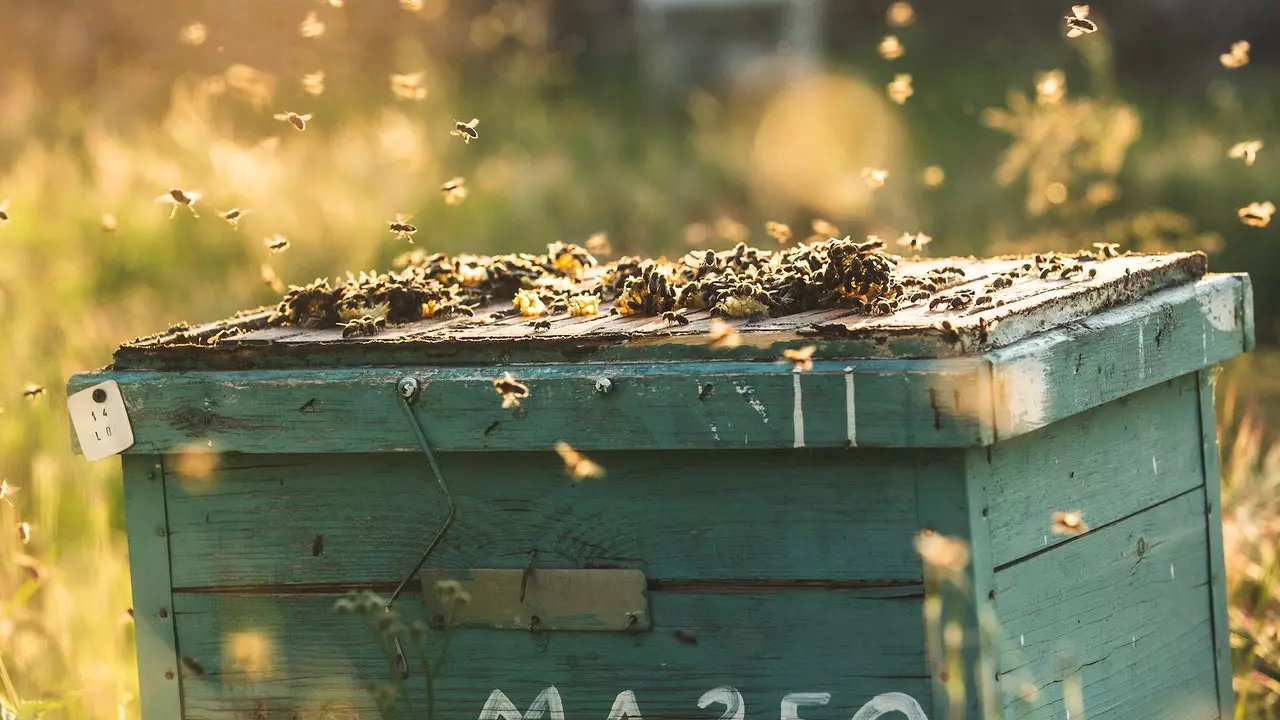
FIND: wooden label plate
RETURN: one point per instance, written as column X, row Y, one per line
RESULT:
column 548, row 600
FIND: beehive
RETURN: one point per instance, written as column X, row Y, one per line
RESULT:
column 752, row 549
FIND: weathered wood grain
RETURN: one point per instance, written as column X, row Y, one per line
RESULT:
column 678, row 516
column 1217, row 564
column 663, row 406
column 1108, row 463
column 1065, row 371
column 144, row 501
column 1124, row 610
column 766, row 645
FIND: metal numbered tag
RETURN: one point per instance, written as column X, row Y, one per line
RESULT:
column 101, row 423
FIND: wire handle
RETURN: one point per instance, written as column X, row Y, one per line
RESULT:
column 407, row 390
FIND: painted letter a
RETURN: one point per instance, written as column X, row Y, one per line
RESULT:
column 547, row 706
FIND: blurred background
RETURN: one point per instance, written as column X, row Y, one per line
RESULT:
column 663, row 123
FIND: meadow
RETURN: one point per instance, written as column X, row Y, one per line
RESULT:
column 89, row 259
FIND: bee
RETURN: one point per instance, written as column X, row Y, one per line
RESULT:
column 409, row 85
column 313, row 83
column 1257, row 214
column 1237, row 57
column 7, row 491
column 270, row 279
column 983, row 301
column 541, row 325
column 294, row 119
column 890, row 47
column 454, row 191
column 584, row 304
column 874, row 177
column 180, row 198
column 576, row 465
column 673, row 316
column 915, row 242
column 1247, row 151
column 801, row 359
column 24, row 532
column 511, row 390
column 32, row 391
column 722, row 336
column 1093, row 273
column 311, row 26
column 529, row 303
column 1108, row 250
column 900, row 89
column 872, row 244
column 949, row 331
column 598, row 244
column 402, row 228
column 366, row 325
column 234, row 215
column 4, row 211
column 1000, row 282
column 1069, row 523
column 1070, row 271
column 277, row 243
column 1078, row 22
column 467, row 130
column 778, row 231
column 193, row 665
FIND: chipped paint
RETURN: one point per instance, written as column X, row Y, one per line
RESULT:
column 1155, row 467
column 1022, row 389
column 715, row 432
column 797, row 412
column 850, row 417
column 1142, row 352
column 752, row 400
column 1219, row 308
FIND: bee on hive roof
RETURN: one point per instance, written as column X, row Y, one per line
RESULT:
column 466, row 129
column 294, row 119
column 511, row 390
column 576, row 465
column 180, row 198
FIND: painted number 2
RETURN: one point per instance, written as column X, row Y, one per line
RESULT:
column 548, row 706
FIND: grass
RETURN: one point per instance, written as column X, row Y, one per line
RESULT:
column 551, row 164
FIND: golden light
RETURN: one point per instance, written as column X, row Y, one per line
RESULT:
column 933, row 176
column 248, row 653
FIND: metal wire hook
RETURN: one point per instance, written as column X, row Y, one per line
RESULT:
column 407, row 390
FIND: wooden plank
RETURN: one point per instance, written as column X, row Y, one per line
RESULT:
column 654, row 407
column 1108, row 463
column 678, row 516
column 288, row 655
column 144, row 505
column 1065, row 371
column 1122, row 612
column 951, row 504
column 1217, row 561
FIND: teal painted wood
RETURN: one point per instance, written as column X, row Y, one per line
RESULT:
column 765, row 644
column 949, row 502
column 1108, row 463
column 653, row 407
column 1083, row 365
column 1217, row 565
column 144, row 504
column 679, row 516
column 1123, row 609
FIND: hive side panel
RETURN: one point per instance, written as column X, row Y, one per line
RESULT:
column 292, row 655
column 1107, row 463
column 1116, row 623
column 1217, row 564
column 145, row 515
column 789, row 516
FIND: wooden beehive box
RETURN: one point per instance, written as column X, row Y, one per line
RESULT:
column 769, row 517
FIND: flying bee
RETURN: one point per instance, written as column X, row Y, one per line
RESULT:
column 311, row 26
column 801, row 358
column 1069, row 523
column 409, row 85
column 673, row 316
column 778, row 231
column 467, row 130
column 180, row 198
column 576, row 465
column 32, row 391
column 4, row 212
column 454, row 191
column 874, row 177
column 233, row 216
column 900, row 89
column 294, row 119
column 196, row 668
column 915, row 242
column 24, row 532
column 1257, row 214
column 511, row 390
column 1078, row 22
column 402, row 228
column 1237, row 57
column 722, row 336
column 7, row 490
column 277, row 243
column 313, row 83
column 1246, row 151
column 1108, row 250
column 270, row 279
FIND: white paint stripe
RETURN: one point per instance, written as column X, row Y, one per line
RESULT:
column 797, row 412
column 1142, row 354
column 850, row 417
column 792, row 702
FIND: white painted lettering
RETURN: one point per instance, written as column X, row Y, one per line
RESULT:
column 881, row 705
column 734, row 707
column 547, row 706
column 851, row 423
column 797, row 412
column 791, row 702
column 624, row 706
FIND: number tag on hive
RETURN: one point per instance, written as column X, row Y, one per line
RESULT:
column 102, row 426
